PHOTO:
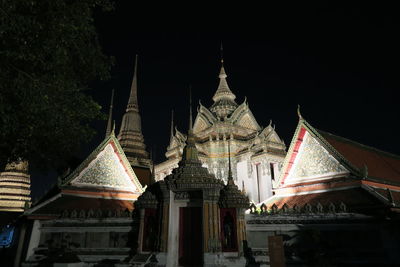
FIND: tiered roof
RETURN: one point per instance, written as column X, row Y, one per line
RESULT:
column 130, row 134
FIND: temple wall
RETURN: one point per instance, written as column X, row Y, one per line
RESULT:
column 89, row 239
column 344, row 241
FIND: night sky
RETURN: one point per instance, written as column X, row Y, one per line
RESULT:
column 340, row 64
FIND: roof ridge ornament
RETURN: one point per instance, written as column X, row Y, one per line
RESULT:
column 390, row 197
column 298, row 112
column 172, row 125
column 113, row 129
column 364, row 171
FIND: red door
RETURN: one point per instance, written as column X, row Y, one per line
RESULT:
column 190, row 237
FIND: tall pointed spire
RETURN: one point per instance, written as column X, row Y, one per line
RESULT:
column 109, row 122
column 224, row 99
column 133, row 102
column 222, row 55
column 190, row 109
column 223, row 91
column 190, row 152
column 130, row 135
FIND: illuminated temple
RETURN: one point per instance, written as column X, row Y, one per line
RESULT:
column 257, row 153
column 228, row 194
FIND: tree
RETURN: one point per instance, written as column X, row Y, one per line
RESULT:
column 49, row 53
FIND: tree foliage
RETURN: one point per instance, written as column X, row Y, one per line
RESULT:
column 49, row 52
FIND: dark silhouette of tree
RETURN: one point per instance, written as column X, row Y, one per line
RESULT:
column 49, row 52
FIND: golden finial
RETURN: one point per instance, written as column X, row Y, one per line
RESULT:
column 222, row 54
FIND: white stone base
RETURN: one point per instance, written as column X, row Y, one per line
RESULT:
column 224, row 259
column 161, row 259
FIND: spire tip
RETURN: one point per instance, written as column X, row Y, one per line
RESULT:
column 109, row 122
column 190, row 109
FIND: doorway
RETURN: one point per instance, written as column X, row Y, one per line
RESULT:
column 190, row 236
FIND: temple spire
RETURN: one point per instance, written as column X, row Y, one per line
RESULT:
column 190, row 152
column 190, row 109
column 109, row 122
column 224, row 99
column 133, row 102
column 222, row 55
column 130, row 134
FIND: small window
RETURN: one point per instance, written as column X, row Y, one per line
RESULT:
column 272, row 170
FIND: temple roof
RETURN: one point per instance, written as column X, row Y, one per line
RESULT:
column 353, row 198
column 340, row 155
column 223, row 90
column 191, row 174
column 323, row 169
column 224, row 99
column 105, row 168
column 380, row 165
column 103, row 181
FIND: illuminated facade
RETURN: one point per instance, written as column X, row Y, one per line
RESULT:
column 343, row 194
column 191, row 218
column 15, row 186
column 89, row 214
column 257, row 153
column 192, row 211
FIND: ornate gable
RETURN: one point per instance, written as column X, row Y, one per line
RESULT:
column 200, row 124
column 248, row 121
column 204, row 119
column 239, row 111
column 106, row 167
column 271, row 135
column 311, row 158
column 314, row 161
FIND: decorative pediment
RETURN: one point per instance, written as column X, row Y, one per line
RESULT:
column 238, row 112
column 267, row 130
column 180, row 137
column 200, row 124
column 314, row 161
column 173, row 143
column 106, row 168
column 273, row 137
column 248, row 121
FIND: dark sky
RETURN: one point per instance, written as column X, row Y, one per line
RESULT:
column 340, row 64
